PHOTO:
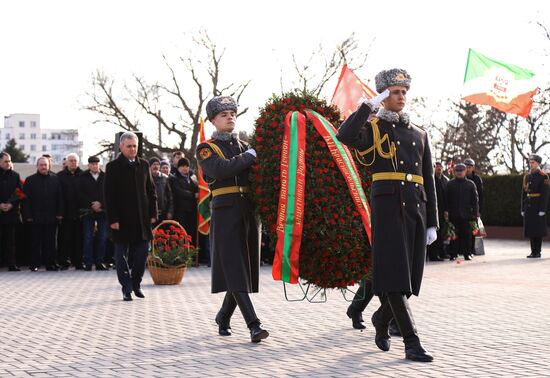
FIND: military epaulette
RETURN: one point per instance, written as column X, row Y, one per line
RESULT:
column 542, row 173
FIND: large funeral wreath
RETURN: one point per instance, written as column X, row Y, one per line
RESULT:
column 335, row 251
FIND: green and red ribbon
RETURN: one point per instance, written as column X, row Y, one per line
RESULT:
column 291, row 199
column 343, row 159
column 292, row 193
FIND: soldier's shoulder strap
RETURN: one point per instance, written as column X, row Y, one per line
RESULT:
column 216, row 149
column 206, row 148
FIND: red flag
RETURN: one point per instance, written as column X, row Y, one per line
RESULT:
column 349, row 91
column 203, row 212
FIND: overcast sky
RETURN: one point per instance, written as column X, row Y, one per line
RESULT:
column 49, row 49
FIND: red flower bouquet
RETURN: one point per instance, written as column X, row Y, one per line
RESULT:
column 172, row 246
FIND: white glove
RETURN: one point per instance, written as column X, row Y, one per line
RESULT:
column 251, row 151
column 541, row 213
column 375, row 102
column 522, row 214
column 431, row 235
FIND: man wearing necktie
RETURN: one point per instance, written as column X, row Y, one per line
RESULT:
column 131, row 204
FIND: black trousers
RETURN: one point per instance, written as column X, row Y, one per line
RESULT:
column 463, row 245
column 7, row 244
column 70, row 243
column 43, row 244
column 437, row 248
column 536, row 245
column 130, row 259
column 188, row 219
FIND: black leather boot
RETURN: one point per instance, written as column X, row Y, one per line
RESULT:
column 257, row 333
column 223, row 317
column 360, row 302
column 394, row 329
column 403, row 317
column 380, row 320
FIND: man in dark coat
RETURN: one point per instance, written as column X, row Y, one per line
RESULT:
column 234, row 234
column 534, row 202
column 165, row 198
column 43, row 209
column 403, row 203
column 70, row 248
column 461, row 208
column 176, row 156
column 471, row 175
column 436, row 250
column 11, row 195
column 185, row 191
column 91, row 205
column 131, row 204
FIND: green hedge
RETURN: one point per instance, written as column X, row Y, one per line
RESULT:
column 502, row 200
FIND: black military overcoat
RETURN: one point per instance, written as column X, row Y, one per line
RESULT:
column 234, row 231
column 534, row 199
column 401, row 210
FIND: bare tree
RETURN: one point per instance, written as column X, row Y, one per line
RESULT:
column 320, row 67
column 174, row 108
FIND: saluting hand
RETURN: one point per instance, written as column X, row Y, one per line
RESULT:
column 376, row 101
column 115, row 226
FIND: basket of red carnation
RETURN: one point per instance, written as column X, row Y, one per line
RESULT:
column 171, row 253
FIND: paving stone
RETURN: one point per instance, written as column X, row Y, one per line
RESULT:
column 483, row 318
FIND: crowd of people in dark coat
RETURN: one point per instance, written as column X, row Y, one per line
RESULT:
column 459, row 202
column 58, row 220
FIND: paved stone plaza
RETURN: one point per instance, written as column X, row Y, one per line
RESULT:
column 485, row 318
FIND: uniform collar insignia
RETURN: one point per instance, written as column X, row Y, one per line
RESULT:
column 393, row 117
column 225, row 136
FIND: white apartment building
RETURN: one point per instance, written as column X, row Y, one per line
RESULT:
column 35, row 141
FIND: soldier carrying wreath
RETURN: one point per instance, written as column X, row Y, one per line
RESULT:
column 403, row 203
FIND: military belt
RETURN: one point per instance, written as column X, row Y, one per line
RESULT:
column 230, row 190
column 398, row 176
column 533, row 194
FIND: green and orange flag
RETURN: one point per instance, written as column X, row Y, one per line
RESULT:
column 503, row 86
column 203, row 212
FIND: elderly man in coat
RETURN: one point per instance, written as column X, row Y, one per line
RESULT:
column 43, row 210
column 131, row 204
column 234, row 234
column 403, row 203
